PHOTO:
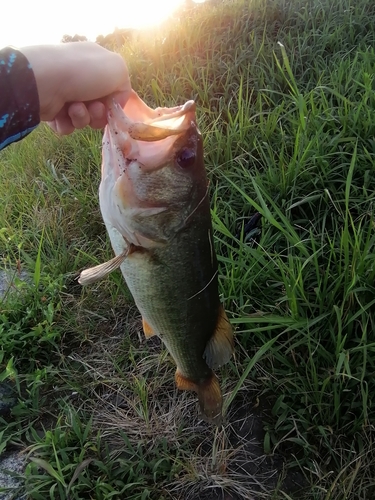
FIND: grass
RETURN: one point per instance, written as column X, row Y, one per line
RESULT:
column 286, row 104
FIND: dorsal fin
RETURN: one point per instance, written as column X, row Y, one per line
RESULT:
column 219, row 348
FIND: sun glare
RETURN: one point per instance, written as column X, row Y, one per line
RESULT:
column 150, row 12
column 41, row 21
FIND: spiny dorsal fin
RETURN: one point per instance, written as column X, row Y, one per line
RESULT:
column 99, row 272
column 148, row 331
column 219, row 348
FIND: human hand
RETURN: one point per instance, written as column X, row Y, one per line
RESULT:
column 73, row 81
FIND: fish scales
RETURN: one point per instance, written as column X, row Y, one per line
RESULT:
column 179, row 301
column 155, row 205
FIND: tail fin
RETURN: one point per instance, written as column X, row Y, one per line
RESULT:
column 209, row 396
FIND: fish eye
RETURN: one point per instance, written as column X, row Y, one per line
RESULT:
column 186, row 158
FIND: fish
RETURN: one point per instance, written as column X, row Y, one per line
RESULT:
column 154, row 200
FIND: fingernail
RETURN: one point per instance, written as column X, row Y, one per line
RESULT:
column 80, row 111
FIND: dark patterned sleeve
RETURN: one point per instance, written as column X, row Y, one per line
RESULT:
column 19, row 101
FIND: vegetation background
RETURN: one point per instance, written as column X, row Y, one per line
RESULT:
column 285, row 93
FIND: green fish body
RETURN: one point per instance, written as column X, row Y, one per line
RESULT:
column 155, row 205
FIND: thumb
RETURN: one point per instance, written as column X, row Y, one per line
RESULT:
column 121, row 96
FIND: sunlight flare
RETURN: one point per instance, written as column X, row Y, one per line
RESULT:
column 90, row 19
column 144, row 13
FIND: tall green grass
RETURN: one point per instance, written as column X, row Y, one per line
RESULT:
column 286, row 105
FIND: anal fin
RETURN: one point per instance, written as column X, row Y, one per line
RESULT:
column 209, row 396
column 148, row 331
column 219, row 348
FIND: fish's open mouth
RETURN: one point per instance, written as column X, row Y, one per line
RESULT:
column 147, row 135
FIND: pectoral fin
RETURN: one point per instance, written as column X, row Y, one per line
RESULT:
column 209, row 396
column 99, row 272
column 219, row 348
column 148, row 331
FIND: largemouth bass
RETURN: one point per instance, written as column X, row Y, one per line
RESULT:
column 155, row 205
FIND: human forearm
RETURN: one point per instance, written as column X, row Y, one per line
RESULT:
column 66, row 85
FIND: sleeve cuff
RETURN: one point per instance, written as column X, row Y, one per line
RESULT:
column 19, row 108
